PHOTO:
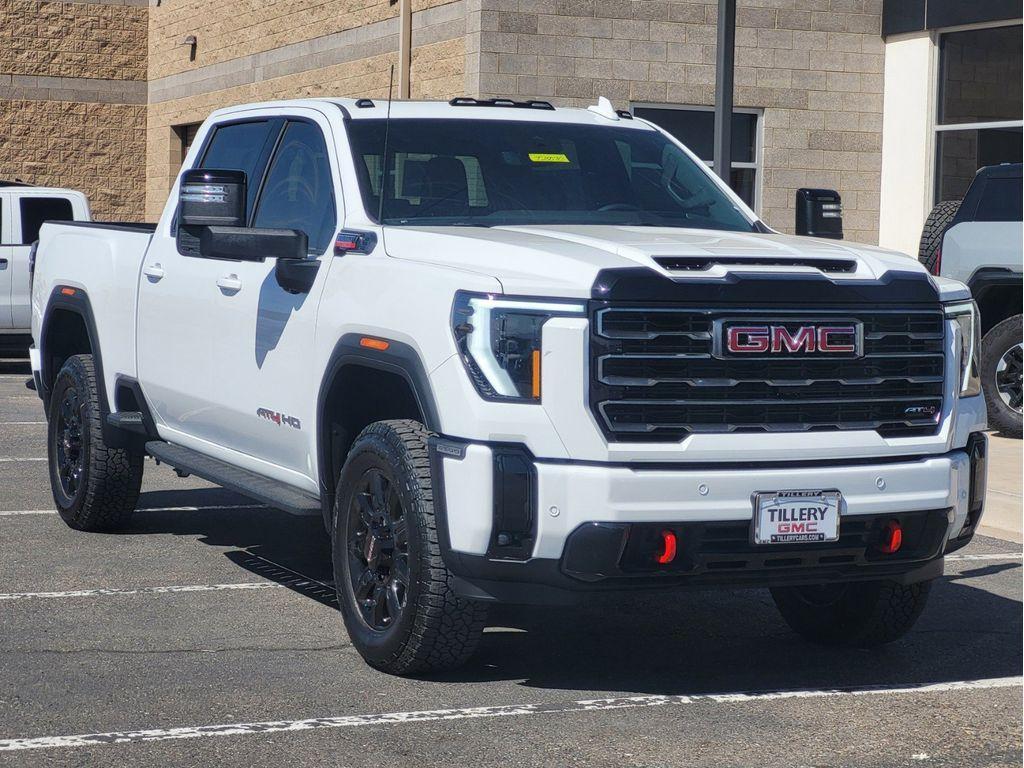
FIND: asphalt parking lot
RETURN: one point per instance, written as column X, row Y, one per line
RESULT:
column 207, row 634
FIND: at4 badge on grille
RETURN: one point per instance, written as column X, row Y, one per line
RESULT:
column 788, row 338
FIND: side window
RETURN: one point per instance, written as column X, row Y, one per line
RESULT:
column 36, row 210
column 238, row 147
column 298, row 192
column 1000, row 201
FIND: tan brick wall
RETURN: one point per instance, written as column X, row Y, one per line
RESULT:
column 60, row 39
column 72, row 79
column 96, row 148
column 437, row 73
column 814, row 67
column 228, row 29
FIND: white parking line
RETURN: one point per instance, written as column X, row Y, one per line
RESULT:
column 469, row 713
column 988, row 556
column 14, row 459
column 20, row 423
column 140, row 590
column 19, row 512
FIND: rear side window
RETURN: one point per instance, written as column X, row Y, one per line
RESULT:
column 298, row 192
column 1001, row 200
column 36, row 210
column 239, row 147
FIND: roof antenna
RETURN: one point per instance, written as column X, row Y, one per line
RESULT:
column 384, row 157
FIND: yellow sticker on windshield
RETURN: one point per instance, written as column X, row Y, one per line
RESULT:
column 548, row 157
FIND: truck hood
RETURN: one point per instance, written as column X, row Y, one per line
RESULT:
column 565, row 260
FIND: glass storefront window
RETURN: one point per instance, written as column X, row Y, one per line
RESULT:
column 979, row 106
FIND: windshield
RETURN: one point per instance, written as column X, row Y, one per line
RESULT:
column 495, row 172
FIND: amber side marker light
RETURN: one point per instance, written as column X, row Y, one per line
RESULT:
column 668, row 548
column 535, row 359
column 371, row 343
column 68, row 291
column 892, row 538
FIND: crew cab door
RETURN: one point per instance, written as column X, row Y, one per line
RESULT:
column 6, row 261
column 224, row 350
column 30, row 211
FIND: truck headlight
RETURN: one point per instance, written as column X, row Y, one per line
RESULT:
column 499, row 340
column 965, row 315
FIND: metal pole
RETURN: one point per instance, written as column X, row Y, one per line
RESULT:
column 404, row 48
column 725, row 59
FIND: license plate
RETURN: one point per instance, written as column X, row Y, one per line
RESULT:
column 796, row 517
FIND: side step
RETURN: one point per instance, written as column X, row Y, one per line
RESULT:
column 271, row 492
column 130, row 421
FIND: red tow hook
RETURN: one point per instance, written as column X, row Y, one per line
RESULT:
column 668, row 548
column 892, row 537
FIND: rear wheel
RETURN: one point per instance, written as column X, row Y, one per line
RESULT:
column 95, row 486
column 1002, row 364
column 931, row 236
column 859, row 614
column 395, row 593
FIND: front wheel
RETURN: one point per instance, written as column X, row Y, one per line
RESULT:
column 395, row 593
column 1002, row 363
column 858, row 614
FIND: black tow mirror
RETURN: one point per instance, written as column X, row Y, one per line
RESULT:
column 249, row 244
column 212, row 198
column 819, row 213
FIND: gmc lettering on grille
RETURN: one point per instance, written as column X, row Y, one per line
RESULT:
column 779, row 339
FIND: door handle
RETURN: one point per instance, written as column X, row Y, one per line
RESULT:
column 154, row 271
column 229, row 282
column 3, row 263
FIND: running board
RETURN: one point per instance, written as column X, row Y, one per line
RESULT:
column 273, row 493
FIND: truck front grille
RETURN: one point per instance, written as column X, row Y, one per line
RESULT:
column 655, row 375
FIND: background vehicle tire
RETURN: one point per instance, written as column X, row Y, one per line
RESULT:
column 394, row 590
column 95, row 486
column 934, row 227
column 1001, row 352
column 859, row 614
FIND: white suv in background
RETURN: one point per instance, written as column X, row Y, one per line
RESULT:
column 23, row 209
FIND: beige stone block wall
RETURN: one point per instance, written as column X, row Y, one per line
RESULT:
column 228, row 29
column 813, row 66
column 96, row 148
column 72, row 93
column 61, row 39
column 437, row 72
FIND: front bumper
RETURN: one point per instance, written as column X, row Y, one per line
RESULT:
column 518, row 529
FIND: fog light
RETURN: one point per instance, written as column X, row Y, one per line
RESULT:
column 668, row 548
column 892, row 537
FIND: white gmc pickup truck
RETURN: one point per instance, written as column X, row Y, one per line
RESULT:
column 520, row 354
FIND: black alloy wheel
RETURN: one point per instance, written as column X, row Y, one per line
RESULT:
column 70, row 444
column 378, row 551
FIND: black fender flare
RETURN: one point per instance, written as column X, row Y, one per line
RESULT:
column 987, row 278
column 399, row 358
column 76, row 301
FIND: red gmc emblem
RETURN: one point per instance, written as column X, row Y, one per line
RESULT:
column 832, row 339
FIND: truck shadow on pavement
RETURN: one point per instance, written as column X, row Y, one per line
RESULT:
column 687, row 642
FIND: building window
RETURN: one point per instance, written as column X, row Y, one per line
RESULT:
column 186, row 134
column 695, row 127
column 979, row 105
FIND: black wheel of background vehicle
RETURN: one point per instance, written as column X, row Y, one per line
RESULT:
column 394, row 590
column 95, row 487
column 934, row 227
column 858, row 614
column 1001, row 364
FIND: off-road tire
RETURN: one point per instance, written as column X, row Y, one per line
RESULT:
column 436, row 630
column 107, row 489
column 999, row 340
column 934, row 227
column 857, row 614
